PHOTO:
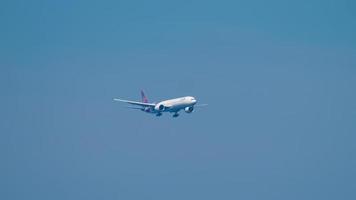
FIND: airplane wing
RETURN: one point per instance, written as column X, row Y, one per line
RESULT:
column 132, row 107
column 136, row 103
column 200, row 105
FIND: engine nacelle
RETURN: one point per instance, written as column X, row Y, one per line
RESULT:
column 160, row 107
column 189, row 109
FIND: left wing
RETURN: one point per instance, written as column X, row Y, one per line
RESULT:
column 136, row 103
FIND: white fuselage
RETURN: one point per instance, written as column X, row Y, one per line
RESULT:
column 174, row 105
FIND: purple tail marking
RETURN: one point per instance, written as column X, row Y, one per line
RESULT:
column 144, row 98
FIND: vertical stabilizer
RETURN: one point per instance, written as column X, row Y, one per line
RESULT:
column 144, row 98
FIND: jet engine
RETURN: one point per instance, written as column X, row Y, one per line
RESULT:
column 159, row 107
column 189, row 109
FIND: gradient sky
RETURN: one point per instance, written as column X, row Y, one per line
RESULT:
column 279, row 78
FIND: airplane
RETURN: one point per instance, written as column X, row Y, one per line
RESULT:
column 172, row 105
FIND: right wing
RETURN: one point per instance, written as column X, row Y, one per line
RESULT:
column 136, row 103
column 200, row 105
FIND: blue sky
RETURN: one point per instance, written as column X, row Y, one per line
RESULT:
column 279, row 78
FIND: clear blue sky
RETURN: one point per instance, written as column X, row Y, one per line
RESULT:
column 279, row 78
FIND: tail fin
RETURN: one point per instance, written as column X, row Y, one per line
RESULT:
column 144, row 98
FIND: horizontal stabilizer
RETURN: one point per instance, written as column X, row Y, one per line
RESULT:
column 131, row 107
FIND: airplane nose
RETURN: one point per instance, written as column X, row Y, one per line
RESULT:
column 194, row 101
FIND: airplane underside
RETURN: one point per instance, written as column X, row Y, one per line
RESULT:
column 176, row 114
column 171, row 110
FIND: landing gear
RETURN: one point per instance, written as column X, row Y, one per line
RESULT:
column 175, row 115
column 159, row 114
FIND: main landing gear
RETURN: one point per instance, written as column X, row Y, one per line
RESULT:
column 175, row 115
column 159, row 114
